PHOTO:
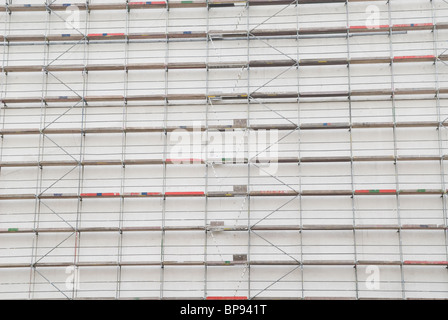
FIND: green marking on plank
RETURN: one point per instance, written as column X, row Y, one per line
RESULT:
column 227, row 262
column 421, row 190
column 13, row 229
column 186, row 2
column 374, row 191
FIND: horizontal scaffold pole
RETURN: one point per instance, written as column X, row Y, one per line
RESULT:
column 227, row 96
column 224, row 194
column 224, row 128
column 164, row 4
column 223, row 65
column 219, row 161
column 228, row 263
column 228, row 228
column 223, row 34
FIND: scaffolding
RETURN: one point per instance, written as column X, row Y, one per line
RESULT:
column 199, row 149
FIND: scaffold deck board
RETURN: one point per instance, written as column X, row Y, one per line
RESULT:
column 162, row 4
column 223, row 229
column 288, row 127
column 294, row 160
column 225, row 96
column 224, row 263
column 262, row 193
column 224, row 34
column 222, row 65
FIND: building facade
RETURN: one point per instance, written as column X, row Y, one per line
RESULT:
column 224, row 149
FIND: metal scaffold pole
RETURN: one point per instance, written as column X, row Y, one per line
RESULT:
column 352, row 169
column 440, row 129
column 397, row 183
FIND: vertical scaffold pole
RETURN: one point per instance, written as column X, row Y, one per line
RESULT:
column 302, row 280
column 248, row 156
column 165, row 155
column 123, row 154
column 352, row 177
column 77, row 286
column 205, row 151
column 441, row 128
column 397, row 182
column 41, row 150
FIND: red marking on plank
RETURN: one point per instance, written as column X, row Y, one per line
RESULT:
column 388, row 191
